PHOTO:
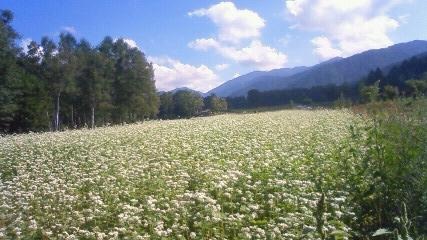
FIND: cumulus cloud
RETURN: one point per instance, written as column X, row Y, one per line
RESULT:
column 255, row 55
column 234, row 24
column 204, row 44
column 324, row 49
column 222, row 67
column 349, row 27
column 69, row 29
column 170, row 74
column 131, row 43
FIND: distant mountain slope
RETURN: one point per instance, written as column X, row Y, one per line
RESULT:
column 338, row 71
column 229, row 87
column 184, row 89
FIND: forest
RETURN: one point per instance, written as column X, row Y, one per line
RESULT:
column 71, row 83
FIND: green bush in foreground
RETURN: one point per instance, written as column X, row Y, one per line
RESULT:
column 390, row 179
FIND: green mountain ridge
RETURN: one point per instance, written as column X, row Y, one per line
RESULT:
column 338, row 70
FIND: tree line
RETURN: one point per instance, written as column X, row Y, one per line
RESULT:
column 183, row 104
column 69, row 83
column 407, row 79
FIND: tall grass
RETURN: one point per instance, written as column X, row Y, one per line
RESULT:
column 390, row 179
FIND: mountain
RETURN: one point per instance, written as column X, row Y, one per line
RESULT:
column 187, row 89
column 231, row 86
column 338, row 70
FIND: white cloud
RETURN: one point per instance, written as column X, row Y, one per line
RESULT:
column 24, row 44
column 234, row 24
column 255, row 55
column 170, row 74
column 69, row 29
column 324, row 49
column 369, row 34
column 403, row 19
column 236, row 75
column 349, row 27
column 204, row 44
column 222, row 67
column 131, row 43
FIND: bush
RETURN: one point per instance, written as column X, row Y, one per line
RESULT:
column 391, row 170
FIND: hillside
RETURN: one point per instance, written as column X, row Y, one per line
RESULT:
column 189, row 90
column 339, row 71
column 241, row 82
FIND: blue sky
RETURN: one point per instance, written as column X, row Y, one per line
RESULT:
column 200, row 44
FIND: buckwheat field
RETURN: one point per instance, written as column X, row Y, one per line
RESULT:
column 275, row 175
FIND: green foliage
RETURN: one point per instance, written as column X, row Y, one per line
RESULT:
column 166, row 109
column 417, row 88
column 254, row 98
column 392, row 169
column 187, row 104
column 70, row 84
column 370, row 93
column 215, row 104
column 342, row 102
column 401, row 232
column 390, row 92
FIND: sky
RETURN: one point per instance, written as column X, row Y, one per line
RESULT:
column 202, row 43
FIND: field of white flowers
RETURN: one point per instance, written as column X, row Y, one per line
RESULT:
column 242, row 176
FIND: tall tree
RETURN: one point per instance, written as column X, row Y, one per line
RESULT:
column 70, row 83
column 254, row 98
column 187, row 104
column 93, row 81
column 166, row 108
column 9, row 71
column 134, row 91
column 215, row 104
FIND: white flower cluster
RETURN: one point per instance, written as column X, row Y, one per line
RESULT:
column 234, row 176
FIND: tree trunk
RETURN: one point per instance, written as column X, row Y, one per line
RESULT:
column 93, row 117
column 49, row 121
column 72, row 116
column 58, row 96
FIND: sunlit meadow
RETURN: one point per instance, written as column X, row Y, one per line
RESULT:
column 233, row 176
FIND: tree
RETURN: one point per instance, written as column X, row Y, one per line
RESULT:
column 254, row 98
column 59, row 68
column 166, row 109
column 342, row 101
column 390, row 92
column 10, row 73
column 134, row 92
column 370, row 93
column 187, row 104
column 374, row 76
column 417, row 88
column 215, row 104
column 94, row 83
